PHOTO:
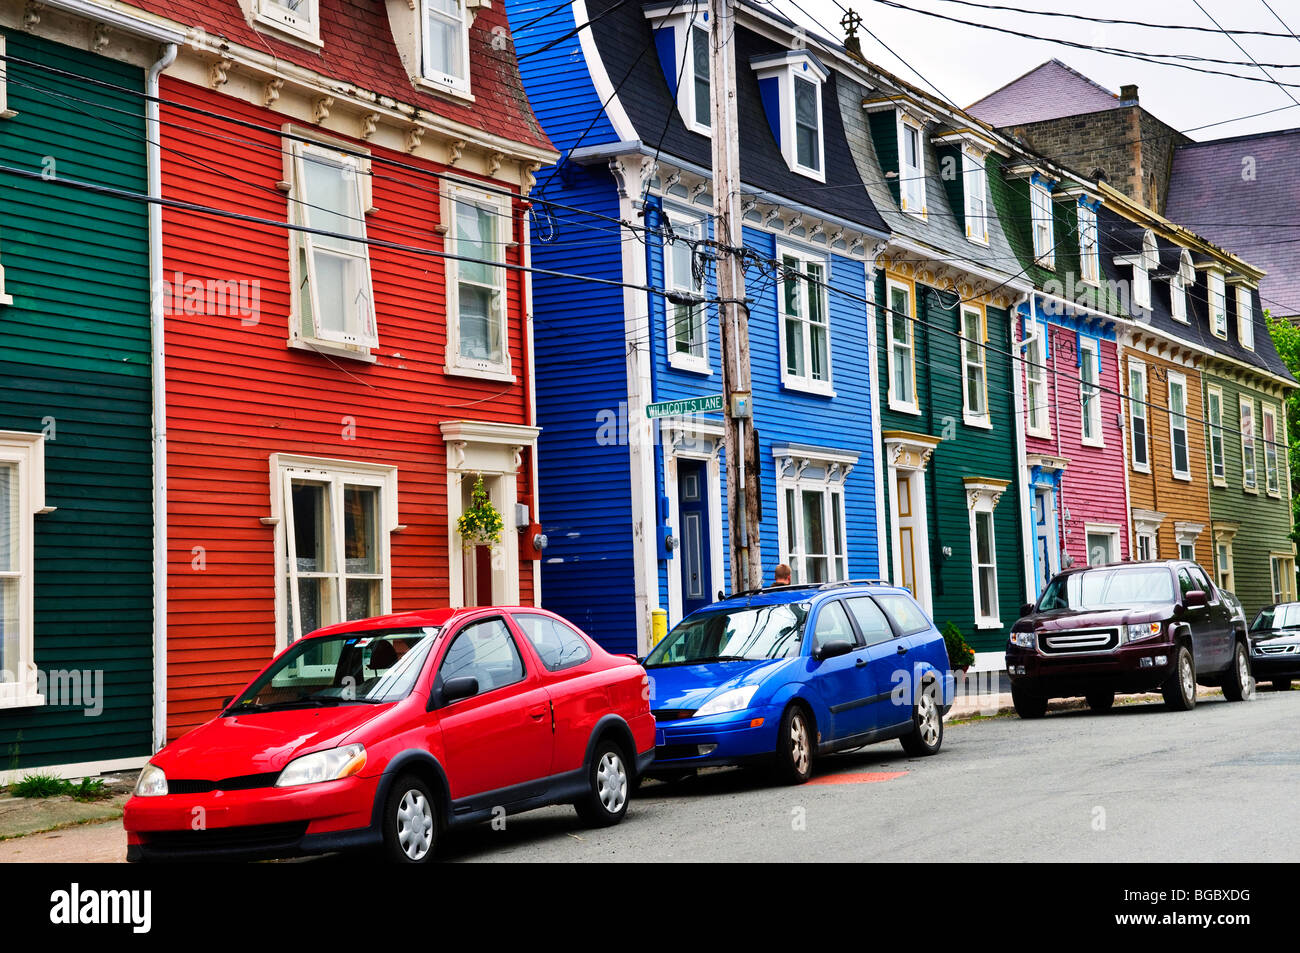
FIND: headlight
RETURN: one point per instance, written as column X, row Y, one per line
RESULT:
column 737, row 699
column 1145, row 630
column 1024, row 640
column 328, row 765
column 152, row 782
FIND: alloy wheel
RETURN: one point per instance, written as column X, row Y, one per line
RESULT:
column 611, row 782
column 928, row 717
column 799, row 743
column 1244, row 677
column 1186, row 675
column 415, row 825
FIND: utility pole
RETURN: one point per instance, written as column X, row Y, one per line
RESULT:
column 743, row 475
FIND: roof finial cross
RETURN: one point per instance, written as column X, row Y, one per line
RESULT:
column 851, row 21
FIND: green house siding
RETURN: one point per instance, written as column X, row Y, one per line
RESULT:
column 964, row 451
column 75, row 365
column 1263, row 522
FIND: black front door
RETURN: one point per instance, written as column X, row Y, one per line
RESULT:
column 696, row 549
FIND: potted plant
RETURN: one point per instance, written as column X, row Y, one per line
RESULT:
column 960, row 654
column 481, row 524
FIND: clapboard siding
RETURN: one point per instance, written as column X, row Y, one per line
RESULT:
column 76, row 367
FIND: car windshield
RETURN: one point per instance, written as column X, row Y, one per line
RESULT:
column 761, row 632
column 1277, row 617
column 1118, row 588
column 351, row 668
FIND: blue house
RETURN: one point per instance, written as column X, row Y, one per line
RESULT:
column 635, row 508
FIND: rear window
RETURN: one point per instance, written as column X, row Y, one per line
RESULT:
column 907, row 615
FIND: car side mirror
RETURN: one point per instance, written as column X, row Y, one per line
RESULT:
column 225, row 702
column 1196, row 598
column 1027, row 609
column 833, row 648
column 454, row 689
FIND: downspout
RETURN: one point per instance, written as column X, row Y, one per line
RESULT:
column 530, row 383
column 153, row 157
column 1022, row 464
column 884, row 565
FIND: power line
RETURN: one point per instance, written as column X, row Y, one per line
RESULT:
column 1113, row 22
column 520, row 57
column 1237, row 44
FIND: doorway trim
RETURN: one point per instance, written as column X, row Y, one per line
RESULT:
column 692, row 439
column 907, row 455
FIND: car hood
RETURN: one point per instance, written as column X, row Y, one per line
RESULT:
column 689, row 686
column 1276, row 636
column 260, row 742
column 1060, row 619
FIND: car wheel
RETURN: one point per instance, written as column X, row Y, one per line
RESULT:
column 794, row 750
column 1027, row 704
column 926, row 735
column 1281, row 685
column 609, row 786
column 1179, row 689
column 410, row 823
column 1238, row 684
column 1101, row 701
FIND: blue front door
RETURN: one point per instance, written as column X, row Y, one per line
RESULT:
column 696, row 549
column 1044, row 536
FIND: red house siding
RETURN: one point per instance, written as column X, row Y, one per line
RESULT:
column 1092, row 486
column 237, row 394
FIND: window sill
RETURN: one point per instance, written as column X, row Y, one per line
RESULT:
column 1252, row 490
column 1275, row 495
column 691, row 365
column 32, row 700
column 480, row 373
column 815, row 174
column 308, row 38
column 808, row 387
column 988, row 624
column 1221, row 483
column 461, row 93
column 904, row 408
column 1093, row 442
column 1039, row 434
column 330, row 348
column 977, row 240
column 983, row 423
column 1141, row 468
column 1183, row 477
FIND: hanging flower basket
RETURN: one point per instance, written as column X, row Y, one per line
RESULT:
column 481, row 524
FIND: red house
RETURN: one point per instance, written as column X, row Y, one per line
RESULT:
column 347, row 343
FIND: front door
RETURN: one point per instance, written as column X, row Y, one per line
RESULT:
column 911, row 541
column 696, row 550
column 1044, row 536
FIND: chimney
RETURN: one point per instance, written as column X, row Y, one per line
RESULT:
column 1128, row 95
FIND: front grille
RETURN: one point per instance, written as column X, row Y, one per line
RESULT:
column 1276, row 649
column 1084, row 640
column 673, row 752
column 245, row 782
column 672, row 714
column 228, row 838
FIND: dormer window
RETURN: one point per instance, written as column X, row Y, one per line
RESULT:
column 911, row 167
column 1089, row 247
column 444, row 56
column 1182, row 279
column 1218, row 303
column 790, row 85
column 681, row 35
column 1041, row 223
column 975, row 184
column 300, row 19
column 1145, row 263
column 1245, row 318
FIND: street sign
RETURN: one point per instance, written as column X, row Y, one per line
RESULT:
column 677, row 408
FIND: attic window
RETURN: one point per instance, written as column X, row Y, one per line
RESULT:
column 976, row 193
column 1214, row 294
column 1245, row 318
column 1089, row 249
column 1040, row 211
column 1145, row 263
column 681, row 35
column 299, row 19
column 790, row 85
column 911, row 167
column 1181, row 280
column 444, row 56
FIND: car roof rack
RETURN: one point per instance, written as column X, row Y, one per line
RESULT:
column 819, row 586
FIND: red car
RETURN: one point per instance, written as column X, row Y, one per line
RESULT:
column 385, row 732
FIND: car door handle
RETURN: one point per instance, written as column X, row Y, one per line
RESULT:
column 902, row 650
column 861, row 662
column 537, row 714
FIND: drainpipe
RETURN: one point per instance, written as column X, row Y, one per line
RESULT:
column 153, row 154
column 1022, row 464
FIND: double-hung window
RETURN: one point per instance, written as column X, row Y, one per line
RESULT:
column 1283, row 573
column 976, row 194
column 335, row 518
column 1180, row 461
column 807, row 125
column 700, row 92
column 22, row 496
column 1040, row 209
column 479, row 228
column 687, row 321
column 1272, row 476
column 445, row 54
column 912, row 171
column 1145, row 263
column 1214, row 411
column 813, row 540
column 1089, row 248
column 1182, row 279
column 982, row 496
column 902, row 348
column 329, row 197
column 1218, row 302
column 1090, row 392
column 1040, row 423
column 1245, row 318
column 1137, row 415
column 806, row 332
column 974, row 368
column 1249, row 477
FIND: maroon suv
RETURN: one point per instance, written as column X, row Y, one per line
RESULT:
column 1127, row 627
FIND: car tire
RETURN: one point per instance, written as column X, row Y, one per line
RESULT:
column 1179, row 689
column 1101, row 701
column 1027, row 704
column 609, row 787
column 1238, row 683
column 1281, row 684
column 926, row 736
column 794, row 746
column 410, row 821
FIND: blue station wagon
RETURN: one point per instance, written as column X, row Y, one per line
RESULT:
column 786, row 674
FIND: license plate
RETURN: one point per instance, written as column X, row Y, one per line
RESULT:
column 659, row 737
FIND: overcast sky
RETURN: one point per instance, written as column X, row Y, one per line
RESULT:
column 966, row 62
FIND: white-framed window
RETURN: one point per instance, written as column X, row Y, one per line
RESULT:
column 1282, row 567
column 1139, row 432
column 334, row 302
column 333, row 560
column 1090, row 392
column 1214, row 413
column 1245, row 318
column 1041, row 224
column 1180, row 460
column 1218, row 303
column 1182, row 279
column 700, row 92
column 1036, row 391
column 1249, row 460
column 790, row 84
column 1146, row 546
column 682, row 33
column 813, row 540
column 1272, row 476
column 901, row 347
column 22, row 498
column 984, row 563
column 1143, row 265
column 444, row 54
column 1089, row 247
column 1102, row 541
column 807, row 125
column 299, row 19
column 688, row 324
column 974, row 368
column 805, row 322
column 1187, row 551
column 1223, row 574
column 975, row 190
column 911, row 171
column 5, row 111
column 479, row 228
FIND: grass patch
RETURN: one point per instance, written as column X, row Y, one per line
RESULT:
column 47, row 785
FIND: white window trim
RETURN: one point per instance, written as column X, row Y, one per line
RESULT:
column 969, row 417
column 807, row 384
column 1187, row 534
column 454, row 363
column 784, row 67
column 972, row 167
column 1273, row 471
column 284, row 469
column 982, row 497
column 695, row 364
column 912, row 406
column 1214, row 280
column 693, row 438
column 1102, row 529
column 1139, row 407
column 818, row 173
column 1043, row 432
column 303, row 26
column 354, row 346
column 1182, row 279
column 682, row 20
column 1215, row 391
column 1149, row 537
column 1089, row 262
column 1040, row 202
column 791, row 464
column 1181, row 380
column 915, row 174
column 1224, row 540
column 437, row 79
column 1245, row 328
column 1145, row 262
column 1244, row 402
column 27, row 452
column 1090, row 350
column 5, row 111
column 1287, row 577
